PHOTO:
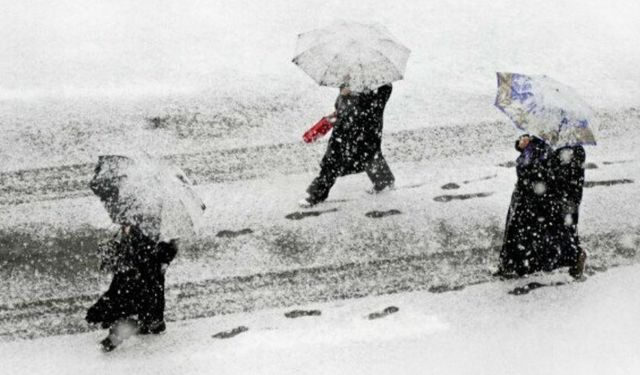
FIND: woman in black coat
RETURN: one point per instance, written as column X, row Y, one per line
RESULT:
column 355, row 143
column 536, row 238
column 134, row 301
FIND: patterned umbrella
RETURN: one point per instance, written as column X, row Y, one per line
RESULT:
column 361, row 56
column 545, row 108
column 152, row 194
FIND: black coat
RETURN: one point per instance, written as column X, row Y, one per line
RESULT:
column 536, row 237
column 568, row 166
column 137, row 287
column 357, row 134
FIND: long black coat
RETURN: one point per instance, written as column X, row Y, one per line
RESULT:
column 568, row 167
column 536, row 237
column 137, row 287
column 357, row 134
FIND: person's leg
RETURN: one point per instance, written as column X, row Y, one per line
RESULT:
column 379, row 173
column 116, row 309
column 518, row 243
column 577, row 269
column 319, row 189
column 117, row 302
column 101, row 312
column 119, row 331
column 152, row 297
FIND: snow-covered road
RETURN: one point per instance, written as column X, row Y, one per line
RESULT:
column 257, row 249
column 578, row 328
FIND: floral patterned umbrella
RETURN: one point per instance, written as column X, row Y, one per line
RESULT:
column 545, row 108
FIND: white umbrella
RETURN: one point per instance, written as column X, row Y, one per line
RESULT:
column 361, row 56
column 152, row 194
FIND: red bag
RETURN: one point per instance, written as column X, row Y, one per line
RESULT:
column 320, row 128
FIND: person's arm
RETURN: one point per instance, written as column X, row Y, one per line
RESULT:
column 537, row 177
column 384, row 92
column 166, row 251
column 336, row 111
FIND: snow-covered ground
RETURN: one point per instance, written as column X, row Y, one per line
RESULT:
column 578, row 328
column 211, row 85
column 436, row 240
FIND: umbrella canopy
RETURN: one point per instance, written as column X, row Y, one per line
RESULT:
column 152, row 194
column 361, row 56
column 545, row 108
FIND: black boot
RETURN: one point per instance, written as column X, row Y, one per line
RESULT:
column 577, row 271
column 119, row 331
column 110, row 342
column 153, row 328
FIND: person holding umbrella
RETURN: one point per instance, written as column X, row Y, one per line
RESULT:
column 355, row 145
column 534, row 240
column 362, row 60
column 154, row 204
column 541, row 227
column 134, row 301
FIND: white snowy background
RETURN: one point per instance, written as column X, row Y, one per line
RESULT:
column 211, row 85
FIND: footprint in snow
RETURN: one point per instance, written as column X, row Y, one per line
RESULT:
column 378, row 214
column 453, row 185
column 448, row 198
column 616, row 162
column 300, row 313
column 480, row 179
column 336, row 201
column 413, row 186
column 299, row 215
column 450, row 186
column 445, row 288
column 590, row 184
column 233, row 233
column 381, row 314
column 229, row 334
column 592, row 269
column 532, row 286
column 508, row 164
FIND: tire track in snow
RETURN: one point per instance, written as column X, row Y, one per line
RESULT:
column 191, row 300
column 246, row 163
column 299, row 286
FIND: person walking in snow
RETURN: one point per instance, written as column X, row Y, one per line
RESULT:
column 355, row 144
column 536, row 238
column 568, row 169
column 134, row 302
